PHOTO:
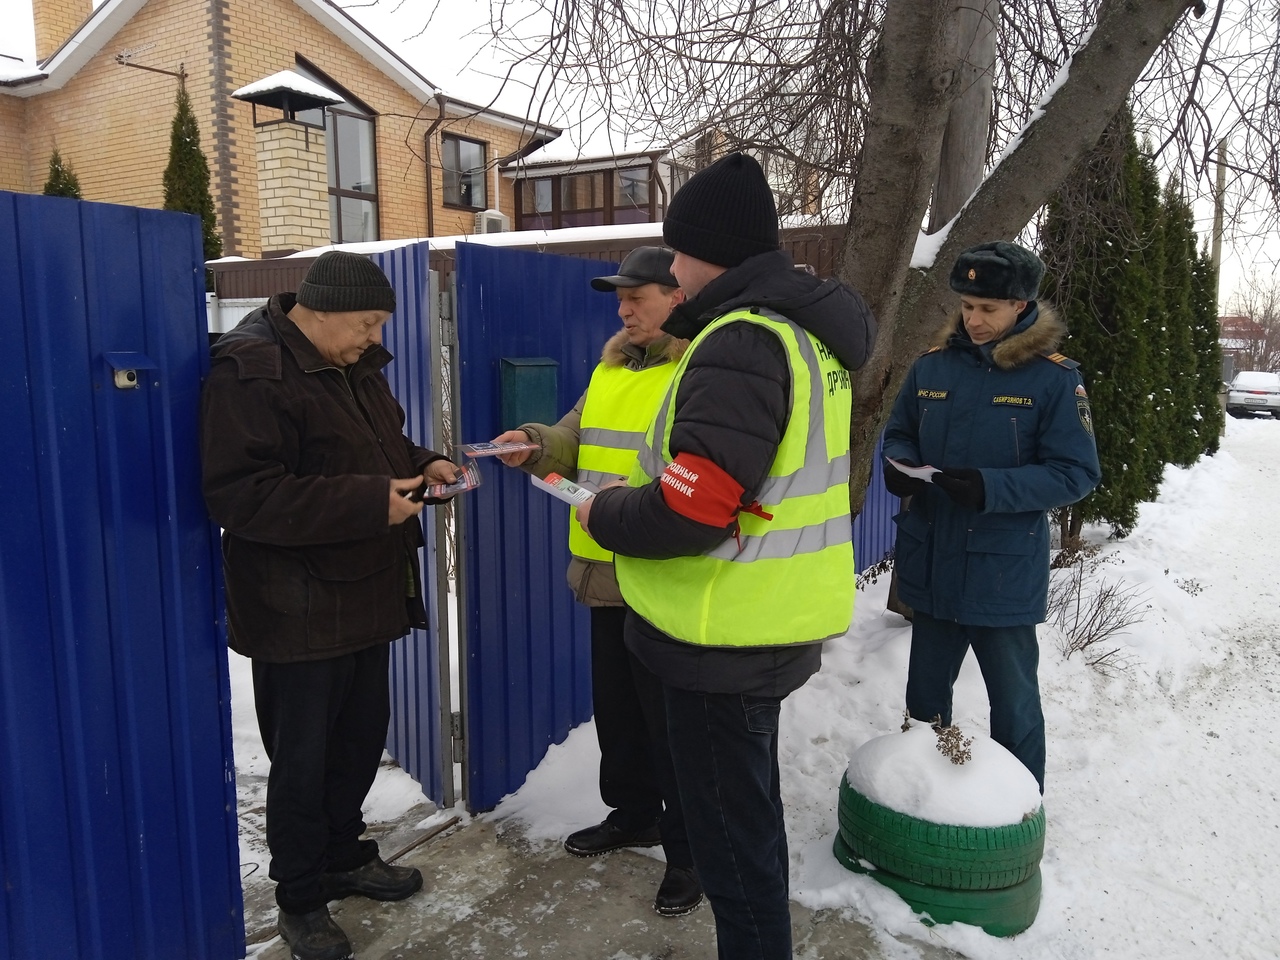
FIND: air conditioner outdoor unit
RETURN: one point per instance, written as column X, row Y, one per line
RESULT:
column 492, row 221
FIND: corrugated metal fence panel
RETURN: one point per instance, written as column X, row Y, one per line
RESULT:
column 873, row 528
column 528, row 656
column 117, row 826
column 414, row 738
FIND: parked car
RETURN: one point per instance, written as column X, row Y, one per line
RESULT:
column 1253, row 391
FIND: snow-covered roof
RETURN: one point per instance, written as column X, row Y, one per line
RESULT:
column 290, row 81
column 513, row 238
column 598, row 142
column 639, row 232
column 17, row 70
column 96, row 31
column 546, row 168
column 111, row 15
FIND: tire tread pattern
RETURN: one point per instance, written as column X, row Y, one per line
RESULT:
column 940, row 855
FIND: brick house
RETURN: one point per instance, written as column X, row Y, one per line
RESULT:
column 392, row 156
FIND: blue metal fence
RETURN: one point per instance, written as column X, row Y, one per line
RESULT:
column 117, row 800
column 873, row 528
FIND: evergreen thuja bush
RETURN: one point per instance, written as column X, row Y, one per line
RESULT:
column 186, row 178
column 62, row 181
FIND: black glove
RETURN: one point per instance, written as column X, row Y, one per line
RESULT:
column 963, row 485
column 899, row 484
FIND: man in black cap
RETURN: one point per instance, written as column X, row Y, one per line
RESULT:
column 318, row 492
column 595, row 443
column 733, row 537
column 1010, row 429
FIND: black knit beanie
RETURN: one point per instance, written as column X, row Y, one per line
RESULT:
column 723, row 214
column 998, row 271
column 340, row 282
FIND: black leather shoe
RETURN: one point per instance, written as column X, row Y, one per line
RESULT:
column 679, row 893
column 376, row 880
column 604, row 837
column 313, row 936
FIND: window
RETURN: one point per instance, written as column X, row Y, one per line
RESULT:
column 587, row 199
column 464, row 164
column 631, row 195
column 632, row 188
column 536, row 212
column 353, row 178
column 541, row 194
column 582, row 200
column 679, row 177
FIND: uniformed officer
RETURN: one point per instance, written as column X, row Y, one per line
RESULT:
column 1006, row 419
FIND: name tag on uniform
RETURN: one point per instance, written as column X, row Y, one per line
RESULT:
column 932, row 394
column 1010, row 401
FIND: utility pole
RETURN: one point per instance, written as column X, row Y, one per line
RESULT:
column 1219, row 195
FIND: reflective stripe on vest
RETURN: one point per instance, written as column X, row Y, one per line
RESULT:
column 781, row 581
column 619, row 407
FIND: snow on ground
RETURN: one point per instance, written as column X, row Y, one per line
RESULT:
column 1161, row 794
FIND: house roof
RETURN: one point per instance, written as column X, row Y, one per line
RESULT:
column 109, row 17
column 525, row 167
column 1240, row 327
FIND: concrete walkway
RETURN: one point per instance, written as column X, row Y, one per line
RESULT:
column 491, row 895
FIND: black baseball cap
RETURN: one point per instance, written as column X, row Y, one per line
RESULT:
column 642, row 265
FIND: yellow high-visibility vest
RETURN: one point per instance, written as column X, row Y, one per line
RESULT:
column 781, row 581
column 620, row 404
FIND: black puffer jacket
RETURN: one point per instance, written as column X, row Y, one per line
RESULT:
column 297, row 455
column 732, row 408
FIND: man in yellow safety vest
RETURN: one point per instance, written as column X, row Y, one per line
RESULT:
column 595, row 443
column 733, row 536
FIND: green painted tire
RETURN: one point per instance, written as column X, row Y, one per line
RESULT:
column 1001, row 913
column 940, row 855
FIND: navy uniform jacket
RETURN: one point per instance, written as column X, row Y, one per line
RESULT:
column 1018, row 412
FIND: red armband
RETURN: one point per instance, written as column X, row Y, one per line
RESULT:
column 696, row 488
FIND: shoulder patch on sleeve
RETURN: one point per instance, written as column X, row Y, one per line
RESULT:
column 1062, row 361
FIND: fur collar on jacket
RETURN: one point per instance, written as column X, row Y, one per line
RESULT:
column 1043, row 335
column 614, row 354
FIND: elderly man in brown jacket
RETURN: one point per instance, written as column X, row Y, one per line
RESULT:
column 318, row 491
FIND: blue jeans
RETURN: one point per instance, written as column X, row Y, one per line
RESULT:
column 1008, row 657
column 724, row 748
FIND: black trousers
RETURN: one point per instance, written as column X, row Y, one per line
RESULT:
column 636, row 776
column 324, row 725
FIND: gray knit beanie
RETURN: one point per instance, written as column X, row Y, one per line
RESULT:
column 340, row 282
column 723, row 214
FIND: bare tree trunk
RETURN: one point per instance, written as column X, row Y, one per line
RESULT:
column 914, row 84
column 964, row 144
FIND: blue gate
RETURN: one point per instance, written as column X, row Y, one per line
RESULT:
column 117, row 800
column 527, row 646
column 527, row 643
